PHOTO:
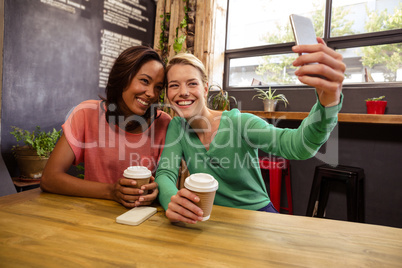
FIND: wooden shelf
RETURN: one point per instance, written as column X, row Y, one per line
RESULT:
column 342, row 117
column 25, row 184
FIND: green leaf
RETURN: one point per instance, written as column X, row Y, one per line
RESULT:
column 270, row 95
column 183, row 23
column 177, row 47
column 39, row 140
column 181, row 39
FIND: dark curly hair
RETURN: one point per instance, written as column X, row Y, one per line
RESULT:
column 123, row 71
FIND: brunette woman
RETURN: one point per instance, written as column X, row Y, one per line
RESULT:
column 108, row 135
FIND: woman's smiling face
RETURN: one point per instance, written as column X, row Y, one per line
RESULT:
column 186, row 91
column 144, row 88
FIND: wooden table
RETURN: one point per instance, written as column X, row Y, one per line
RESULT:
column 47, row 230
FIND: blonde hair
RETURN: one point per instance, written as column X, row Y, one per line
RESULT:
column 188, row 59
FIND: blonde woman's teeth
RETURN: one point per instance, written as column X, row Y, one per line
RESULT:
column 184, row 103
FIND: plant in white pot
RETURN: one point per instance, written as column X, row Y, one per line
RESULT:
column 270, row 99
column 33, row 155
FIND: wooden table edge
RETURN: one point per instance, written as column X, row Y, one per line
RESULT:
column 19, row 197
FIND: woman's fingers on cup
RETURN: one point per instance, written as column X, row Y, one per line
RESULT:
column 131, row 191
column 188, row 195
column 128, row 204
column 145, row 200
column 126, row 200
column 183, row 204
column 127, row 182
column 149, row 186
column 176, row 217
column 138, row 196
column 176, row 212
column 129, row 194
column 130, row 198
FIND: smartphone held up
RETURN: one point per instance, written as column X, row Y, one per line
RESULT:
column 303, row 30
column 304, row 33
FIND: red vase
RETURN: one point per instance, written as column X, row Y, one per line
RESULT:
column 376, row 107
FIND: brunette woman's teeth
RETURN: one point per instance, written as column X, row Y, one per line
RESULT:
column 184, row 103
column 143, row 102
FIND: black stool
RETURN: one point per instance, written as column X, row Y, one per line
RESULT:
column 353, row 177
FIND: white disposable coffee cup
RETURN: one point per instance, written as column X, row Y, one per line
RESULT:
column 140, row 174
column 204, row 186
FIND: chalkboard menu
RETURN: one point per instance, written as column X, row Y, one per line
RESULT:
column 58, row 53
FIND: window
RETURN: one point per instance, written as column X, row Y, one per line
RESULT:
column 368, row 34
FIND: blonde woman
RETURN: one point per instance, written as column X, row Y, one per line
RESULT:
column 225, row 144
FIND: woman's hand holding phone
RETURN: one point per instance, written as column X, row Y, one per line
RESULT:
column 320, row 66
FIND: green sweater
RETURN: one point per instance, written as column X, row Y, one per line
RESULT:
column 232, row 157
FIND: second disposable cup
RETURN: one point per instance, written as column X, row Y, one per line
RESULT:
column 140, row 174
column 204, row 186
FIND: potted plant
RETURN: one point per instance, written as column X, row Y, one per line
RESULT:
column 270, row 99
column 376, row 105
column 33, row 155
column 219, row 99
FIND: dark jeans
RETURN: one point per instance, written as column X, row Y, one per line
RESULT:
column 269, row 208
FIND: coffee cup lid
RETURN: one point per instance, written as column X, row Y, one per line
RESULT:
column 137, row 172
column 201, row 182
